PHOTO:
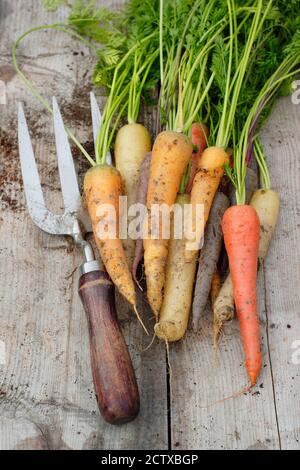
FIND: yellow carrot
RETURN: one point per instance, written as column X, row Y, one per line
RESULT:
column 180, row 275
column 170, row 155
column 132, row 143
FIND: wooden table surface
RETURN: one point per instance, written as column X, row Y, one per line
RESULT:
column 46, row 392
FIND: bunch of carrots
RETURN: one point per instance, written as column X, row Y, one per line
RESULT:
column 213, row 69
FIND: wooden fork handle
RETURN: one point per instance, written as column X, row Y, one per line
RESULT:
column 114, row 378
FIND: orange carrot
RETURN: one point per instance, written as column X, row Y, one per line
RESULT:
column 200, row 133
column 170, row 156
column 241, row 235
column 103, row 185
column 206, row 182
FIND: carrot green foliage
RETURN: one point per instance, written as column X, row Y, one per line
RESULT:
column 247, row 143
column 220, row 62
column 127, row 56
column 125, row 45
column 189, row 30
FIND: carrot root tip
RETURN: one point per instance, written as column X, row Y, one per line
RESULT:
column 140, row 320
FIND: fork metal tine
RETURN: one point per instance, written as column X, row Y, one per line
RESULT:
column 67, row 173
column 41, row 216
column 28, row 164
column 97, row 121
column 96, row 117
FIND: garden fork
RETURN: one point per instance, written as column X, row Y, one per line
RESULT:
column 114, row 378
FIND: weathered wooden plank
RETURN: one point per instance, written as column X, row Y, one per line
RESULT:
column 46, row 392
column 282, row 273
column 198, row 422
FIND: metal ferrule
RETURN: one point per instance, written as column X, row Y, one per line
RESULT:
column 90, row 264
column 89, row 267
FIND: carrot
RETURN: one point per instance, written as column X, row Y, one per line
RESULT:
column 241, row 223
column 216, row 284
column 224, row 305
column 141, row 198
column 132, row 142
column 103, row 185
column 247, row 144
column 199, row 136
column 180, row 274
column 206, row 182
column 215, row 287
column 266, row 203
column 170, row 155
column 241, row 235
column 209, row 257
